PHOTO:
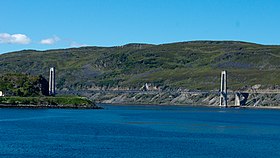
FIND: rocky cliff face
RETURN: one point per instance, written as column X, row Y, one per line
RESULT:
column 165, row 98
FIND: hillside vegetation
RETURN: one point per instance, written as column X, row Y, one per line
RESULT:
column 190, row 65
column 23, row 85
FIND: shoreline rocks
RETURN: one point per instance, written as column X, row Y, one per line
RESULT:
column 181, row 99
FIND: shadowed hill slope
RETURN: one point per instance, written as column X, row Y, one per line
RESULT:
column 190, row 65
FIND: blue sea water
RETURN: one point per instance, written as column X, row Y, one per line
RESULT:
column 140, row 131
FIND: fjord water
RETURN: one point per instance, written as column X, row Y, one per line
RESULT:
column 140, row 131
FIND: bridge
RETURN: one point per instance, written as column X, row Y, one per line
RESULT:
column 241, row 97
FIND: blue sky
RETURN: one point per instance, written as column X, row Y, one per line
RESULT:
column 51, row 24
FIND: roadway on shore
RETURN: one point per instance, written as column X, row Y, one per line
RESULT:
column 169, row 91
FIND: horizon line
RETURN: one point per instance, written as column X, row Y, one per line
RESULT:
column 140, row 43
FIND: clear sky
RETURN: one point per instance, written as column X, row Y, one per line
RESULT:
column 50, row 24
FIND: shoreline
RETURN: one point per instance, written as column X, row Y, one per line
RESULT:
column 49, row 106
column 263, row 107
column 99, row 106
column 194, row 105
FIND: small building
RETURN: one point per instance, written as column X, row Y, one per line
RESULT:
column 1, row 94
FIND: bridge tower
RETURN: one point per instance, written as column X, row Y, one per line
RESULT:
column 52, row 81
column 223, row 91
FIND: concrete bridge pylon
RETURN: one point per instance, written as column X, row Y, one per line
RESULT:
column 223, row 90
column 241, row 98
column 52, row 81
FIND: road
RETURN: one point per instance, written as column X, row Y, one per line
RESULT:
column 170, row 91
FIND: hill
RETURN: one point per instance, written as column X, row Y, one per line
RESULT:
column 190, row 65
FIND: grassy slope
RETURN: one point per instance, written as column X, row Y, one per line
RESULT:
column 192, row 65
